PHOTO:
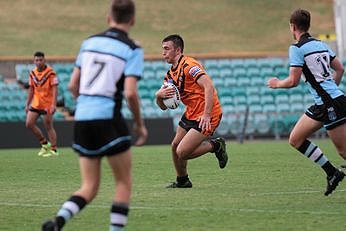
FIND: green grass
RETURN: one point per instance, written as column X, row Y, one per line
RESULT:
column 219, row 26
column 268, row 186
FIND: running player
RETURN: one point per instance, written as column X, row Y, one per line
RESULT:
column 313, row 58
column 108, row 65
column 203, row 111
column 41, row 100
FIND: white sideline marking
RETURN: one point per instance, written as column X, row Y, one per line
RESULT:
column 234, row 210
column 288, row 193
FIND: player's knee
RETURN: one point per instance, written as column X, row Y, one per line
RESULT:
column 174, row 146
column 342, row 152
column 29, row 125
column 182, row 154
column 89, row 191
column 294, row 142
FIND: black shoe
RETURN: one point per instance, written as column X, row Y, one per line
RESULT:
column 221, row 153
column 50, row 225
column 333, row 181
column 187, row 184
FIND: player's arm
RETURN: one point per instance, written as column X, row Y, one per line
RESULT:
column 73, row 85
column 29, row 99
column 338, row 68
column 131, row 95
column 55, row 97
column 163, row 93
column 208, row 87
column 291, row 81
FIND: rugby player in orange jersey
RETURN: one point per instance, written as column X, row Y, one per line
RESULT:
column 41, row 100
column 202, row 114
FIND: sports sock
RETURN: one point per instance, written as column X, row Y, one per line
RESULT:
column 43, row 141
column 182, row 179
column 54, row 147
column 70, row 208
column 314, row 153
column 119, row 215
column 215, row 145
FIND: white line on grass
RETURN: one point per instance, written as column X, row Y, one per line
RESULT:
column 233, row 210
column 289, row 193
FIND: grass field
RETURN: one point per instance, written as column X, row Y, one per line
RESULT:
column 220, row 26
column 268, row 186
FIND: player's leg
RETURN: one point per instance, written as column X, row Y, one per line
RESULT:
column 180, row 165
column 48, row 124
column 121, row 165
column 90, row 176
column 193, row 145
column 30, row 123
column 338, row 136
column 303, row 129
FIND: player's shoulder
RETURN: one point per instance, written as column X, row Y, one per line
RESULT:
column 116, row 34
column 191, row 61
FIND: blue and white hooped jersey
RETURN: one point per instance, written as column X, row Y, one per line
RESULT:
column 314, row 57
column 105, row 60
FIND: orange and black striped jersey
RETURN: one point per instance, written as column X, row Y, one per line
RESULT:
column 185, row 77
column 42, row 83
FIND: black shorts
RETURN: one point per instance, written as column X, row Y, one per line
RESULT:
column 38, row 111
column 99, row 138
column 188, row 124
column 331, row 116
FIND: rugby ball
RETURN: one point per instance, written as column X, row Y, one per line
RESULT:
column 173, row 102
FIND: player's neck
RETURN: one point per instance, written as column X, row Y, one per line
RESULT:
column 176, row 60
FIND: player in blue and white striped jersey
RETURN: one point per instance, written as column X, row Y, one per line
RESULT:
column 108, row 67
column 315, row 59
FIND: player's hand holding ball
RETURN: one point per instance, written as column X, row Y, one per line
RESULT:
column 170, row 95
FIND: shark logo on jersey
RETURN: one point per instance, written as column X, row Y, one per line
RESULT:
column 194, row 71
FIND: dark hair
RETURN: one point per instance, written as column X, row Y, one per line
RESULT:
column 122, row 11
column 39, row 54
column 301, row 19
column 177, row 41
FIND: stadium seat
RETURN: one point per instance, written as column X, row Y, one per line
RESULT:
column 261, row 123
column 230, row 81
column 252, row 71
column 281, row 72
column 211, row 64
column 282, row 99
column 283, row 108
column 257, row 80
column 225, row 64
column 238, row 72
column 224, row 91
column 269, row 108
column 237, row 63
column 226, row 100
column 225, row 72
column 264, row 63
column 267, row 99
column 243, row 81
column 297, row 108
column 250, row 63
column 266, row 73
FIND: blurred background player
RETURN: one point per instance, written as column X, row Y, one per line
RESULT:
column 42, row 96
column 108, row 65
column 203, row 111
column 314, row 58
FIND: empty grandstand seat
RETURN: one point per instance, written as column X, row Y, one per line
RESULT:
column 252, row 71
column 237, row 63
column 250, row 63
column 211, row 64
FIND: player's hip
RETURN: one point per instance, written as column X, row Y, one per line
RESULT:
column 98, row 138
